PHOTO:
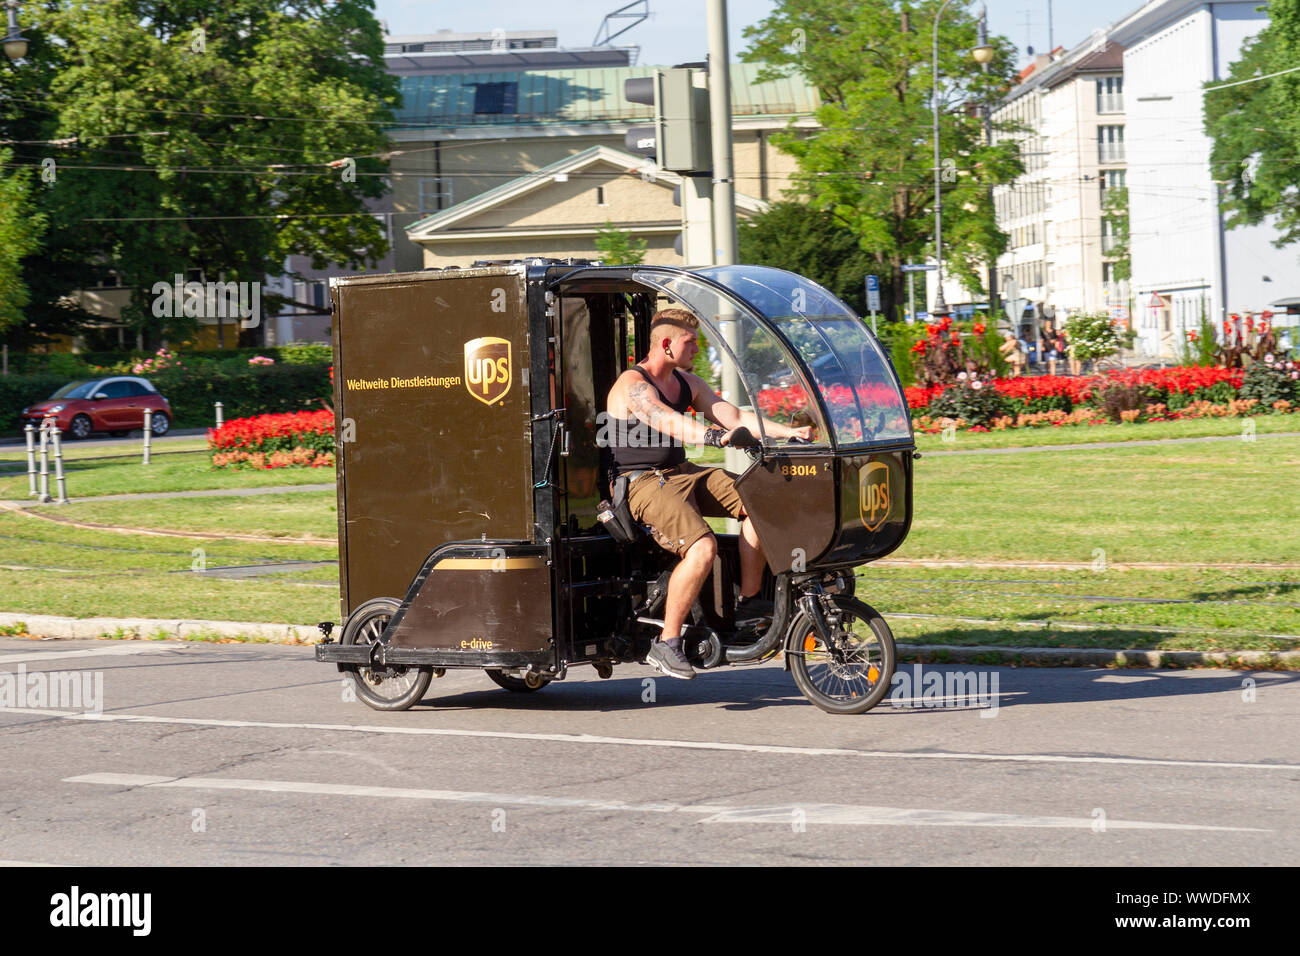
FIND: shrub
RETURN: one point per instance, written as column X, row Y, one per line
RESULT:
column 972, row 400
column 1122, row 402
column 1272, row 381
column 1092, row 336
column 19, row 391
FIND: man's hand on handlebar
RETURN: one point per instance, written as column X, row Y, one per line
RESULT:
column 740, row 437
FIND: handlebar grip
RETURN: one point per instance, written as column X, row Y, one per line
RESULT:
column 742, row 437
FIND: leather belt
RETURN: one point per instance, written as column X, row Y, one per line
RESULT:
column 632, row 476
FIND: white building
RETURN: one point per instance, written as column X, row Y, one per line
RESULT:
column 1184, row 263
column 1067, row 114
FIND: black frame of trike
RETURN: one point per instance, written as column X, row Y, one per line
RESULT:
column 592, row 569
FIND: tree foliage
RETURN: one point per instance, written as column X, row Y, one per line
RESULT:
column 871, row 162
column 20, row 229
column 199, row 134
column 1114, row 209
column 1256, row 128
column 811, row 242
column 619, row 248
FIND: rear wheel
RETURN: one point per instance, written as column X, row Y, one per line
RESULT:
column 520, row 685
column 383, row 688
column 853, row 673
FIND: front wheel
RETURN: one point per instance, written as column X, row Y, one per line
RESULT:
column 383, row 688
column 159, row 423
column 80, row 427
column 853, row 673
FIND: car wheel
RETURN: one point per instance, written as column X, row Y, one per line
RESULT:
column 159, row 423
column 81, row 427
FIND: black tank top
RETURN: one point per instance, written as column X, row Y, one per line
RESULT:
column 636, row 446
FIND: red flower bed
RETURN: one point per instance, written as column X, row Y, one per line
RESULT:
column 275, row 441
column 1184, row 379
column 1043, row 386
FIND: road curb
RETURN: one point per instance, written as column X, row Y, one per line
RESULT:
column 1094, row 657
column 138, row 628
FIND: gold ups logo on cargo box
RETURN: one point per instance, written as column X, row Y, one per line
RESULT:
column 487, row 368
column 873, row 494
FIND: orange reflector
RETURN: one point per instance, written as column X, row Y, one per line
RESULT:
column 873, row 673
column 810, row 643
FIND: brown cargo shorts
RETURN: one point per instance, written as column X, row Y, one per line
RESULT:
column 675, row 511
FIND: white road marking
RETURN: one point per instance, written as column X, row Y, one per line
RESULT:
column 782, row 814
column 649, row 742
column 26, row 863
column 111, row 650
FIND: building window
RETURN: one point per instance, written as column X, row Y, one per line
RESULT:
column 600, row 196
column 1108, row 273
column 1110, row 94
column 496, row 97
column 1112, row 179
column 430, row 189
column 1110, row 144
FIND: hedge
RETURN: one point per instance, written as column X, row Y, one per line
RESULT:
column 192, row 390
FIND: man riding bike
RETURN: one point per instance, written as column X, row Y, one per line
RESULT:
column 672, row 495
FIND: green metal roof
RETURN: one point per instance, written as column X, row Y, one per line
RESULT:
column 579, row 96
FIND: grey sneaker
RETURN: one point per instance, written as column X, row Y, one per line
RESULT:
column 666, row 659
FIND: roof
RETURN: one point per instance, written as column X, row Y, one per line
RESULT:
column 545, row 176
column 572, row 96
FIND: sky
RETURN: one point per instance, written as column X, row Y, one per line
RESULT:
column 675, row 32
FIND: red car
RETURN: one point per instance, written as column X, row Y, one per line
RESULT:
column 114, row 404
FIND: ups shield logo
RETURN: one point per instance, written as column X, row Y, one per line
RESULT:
column 873, row 495
column 488, row 370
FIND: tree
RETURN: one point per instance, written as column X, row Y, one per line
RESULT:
column 811, row 242
column 20, row 229
column 1114, row 209
column 1255, row 127
column 871, row 162
column 618, row 248
column 223, row 136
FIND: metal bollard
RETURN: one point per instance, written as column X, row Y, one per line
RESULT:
column 60, row 481
column 46, row 426
column 148, row 433
column 29, row 431
column 220, row 414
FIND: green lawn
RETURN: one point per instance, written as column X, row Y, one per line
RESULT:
column 191, row 471
column 293, row 514
column 1187, row 505
column 83, row 573
column 1087, row 434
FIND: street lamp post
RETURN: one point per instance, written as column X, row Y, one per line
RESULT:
column 983, row 54
column 15, row 42
column 940, row 307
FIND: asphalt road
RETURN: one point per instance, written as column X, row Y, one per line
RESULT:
column 250, row 755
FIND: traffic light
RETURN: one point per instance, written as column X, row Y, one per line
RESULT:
column 679, row 139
